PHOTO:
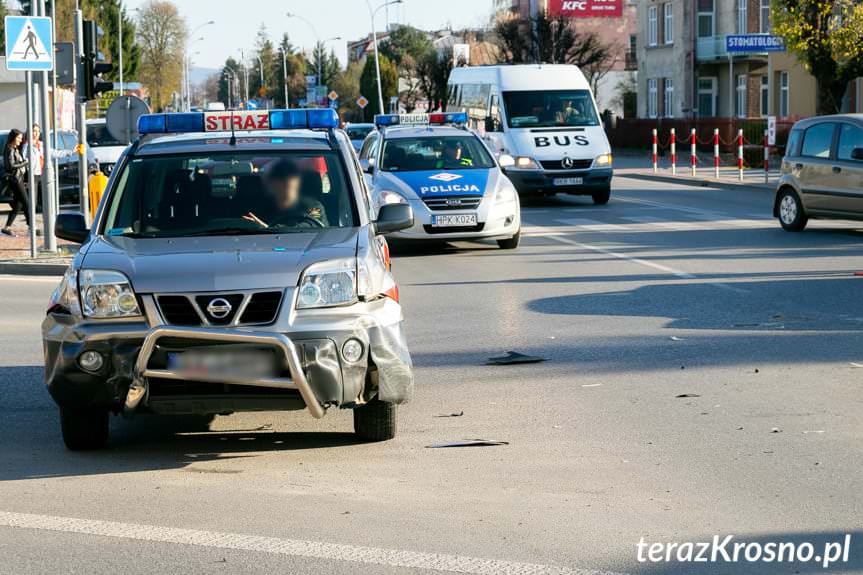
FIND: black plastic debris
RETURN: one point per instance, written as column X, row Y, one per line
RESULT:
column 687, row 395
column 467, row 443
column 514, row 358
column 456, row 414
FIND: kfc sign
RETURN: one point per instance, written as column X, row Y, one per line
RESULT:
column 586, row 8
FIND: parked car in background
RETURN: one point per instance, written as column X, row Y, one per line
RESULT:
column 821, row 172
column 357, row 134
column 106, row 148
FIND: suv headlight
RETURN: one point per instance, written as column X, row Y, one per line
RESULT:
column 328, row 284
column 65, row 297
column 526, row 163
column 106, row 294
column 603, row 160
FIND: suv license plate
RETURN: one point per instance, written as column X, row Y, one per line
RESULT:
column 453, row 220
column 567, row 181
column 252, row 364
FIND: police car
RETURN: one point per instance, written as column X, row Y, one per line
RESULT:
column 233, row 265
column 452, row 182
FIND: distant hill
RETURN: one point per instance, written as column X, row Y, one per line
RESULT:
column 200, row 75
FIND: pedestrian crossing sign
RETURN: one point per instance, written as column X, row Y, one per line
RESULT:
column 29, row 43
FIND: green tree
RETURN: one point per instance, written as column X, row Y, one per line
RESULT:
column 433, row 74
column 407, row 46
column 107, row 14
column 347, row 84
column 329, row 63
column 230, row 78
column 368, row 83
column 827, row 37
column 162, row 39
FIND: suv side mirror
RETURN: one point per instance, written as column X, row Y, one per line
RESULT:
column 505, row 161
column 368, row 165
column 857, row 154
column 71, row 226
column 394, row 217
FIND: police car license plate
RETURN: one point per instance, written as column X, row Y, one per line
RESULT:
column 453, row 220
column 246, row 363
column 567, row 181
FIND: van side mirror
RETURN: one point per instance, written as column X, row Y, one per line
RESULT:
column 394, row 217
column 72, row 227
column 857, row 154
column 505, row 161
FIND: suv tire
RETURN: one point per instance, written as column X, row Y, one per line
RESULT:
column 601, row 197
column 510, row 243
column 375, row 421
column 84, row 429
column 792, row 217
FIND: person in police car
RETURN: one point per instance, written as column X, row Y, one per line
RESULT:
column 294, row 205
column 453, row 156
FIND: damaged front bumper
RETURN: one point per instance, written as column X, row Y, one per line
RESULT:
column 134, row 375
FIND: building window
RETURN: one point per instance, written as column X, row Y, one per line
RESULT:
column 742, row 16
column 706, row 97
column 784, row 94
column 764, row 17
column 740, row 104
column 765, row 95
column 668, row 98
column 651, row 97
column 668, row 23
column 705, row 18
column 652, row 36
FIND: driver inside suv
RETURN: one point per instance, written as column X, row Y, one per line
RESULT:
column 293, row 203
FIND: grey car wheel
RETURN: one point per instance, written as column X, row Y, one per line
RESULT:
column 791, row 214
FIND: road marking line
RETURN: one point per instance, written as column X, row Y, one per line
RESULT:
column 592, row 225
column 289, row 547
column 41, row 279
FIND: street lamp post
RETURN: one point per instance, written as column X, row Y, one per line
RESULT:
column 372, row 13
column 187, row 82
column 285, row 75
column 232, row 80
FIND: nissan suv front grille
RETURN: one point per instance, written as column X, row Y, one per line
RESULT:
column 220, row 309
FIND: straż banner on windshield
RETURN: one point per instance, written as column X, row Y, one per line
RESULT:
column 585, row 8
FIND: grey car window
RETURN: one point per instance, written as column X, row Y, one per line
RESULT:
column 850, row 137
column 817, row 140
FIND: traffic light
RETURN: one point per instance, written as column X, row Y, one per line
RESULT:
column 93, row 68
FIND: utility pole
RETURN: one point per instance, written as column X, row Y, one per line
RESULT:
column 48, row 211
column 55, row 193
column 120, row 44
column 31, row 178
column 285, row 76
column 81, row 117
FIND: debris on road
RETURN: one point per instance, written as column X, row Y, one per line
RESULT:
column 687, row 395
column 458, row 414
column 855, row 364
column 591, row 384
column 814, row 431
column 775, row 430
column 514, row 358
column 467, row 443
column 675, row 338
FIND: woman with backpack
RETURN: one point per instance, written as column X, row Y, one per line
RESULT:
column 15, row 175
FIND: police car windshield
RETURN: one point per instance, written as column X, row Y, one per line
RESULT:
column 550, row 109
column 435, row 153
column 230, row 193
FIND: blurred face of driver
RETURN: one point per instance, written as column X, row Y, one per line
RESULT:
column 452, row 151
column 284, row 185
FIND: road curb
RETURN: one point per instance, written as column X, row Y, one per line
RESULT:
column 32, row 269
column 699, row 182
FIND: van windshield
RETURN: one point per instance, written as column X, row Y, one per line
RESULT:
column 229, row 194
column 550, row 109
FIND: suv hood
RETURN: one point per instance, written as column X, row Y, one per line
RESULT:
column 219, row 263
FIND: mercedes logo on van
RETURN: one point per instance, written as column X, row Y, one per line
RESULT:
column 219, row 308
column 567, row 163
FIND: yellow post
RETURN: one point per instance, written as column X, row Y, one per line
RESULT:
column 96, row 187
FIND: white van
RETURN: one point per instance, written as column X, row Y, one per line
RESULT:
column 542, row 116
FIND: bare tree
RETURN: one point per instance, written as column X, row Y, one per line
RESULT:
column 162, row 39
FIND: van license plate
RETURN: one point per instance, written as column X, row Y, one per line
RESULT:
column 453, row 220
column 567, row 181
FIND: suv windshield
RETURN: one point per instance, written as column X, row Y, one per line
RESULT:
column 358, row 132
column 550, row 109
column 99, row 136
column 227, row 193
column 435, row 153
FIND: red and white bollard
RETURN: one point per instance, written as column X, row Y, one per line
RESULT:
column 766, row 159
column 740, row 154
column 716, row 153
column 673, row 152
column 693, row 158
column 654, row 151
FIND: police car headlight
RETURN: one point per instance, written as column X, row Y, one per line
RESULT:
column 65, row 296
column 388, row 197
column 526, row 163
column 106, row 294
column 603, row 160
column 505, row 194
column 328, row 284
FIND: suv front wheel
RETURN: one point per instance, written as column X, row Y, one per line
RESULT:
column 375, row 421
column 84, row 429
column 792, row 217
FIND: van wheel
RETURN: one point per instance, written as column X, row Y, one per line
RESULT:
column 792, row 217
column 510, row 243
column 601, row 197
column 375, row 421
column 84, row 429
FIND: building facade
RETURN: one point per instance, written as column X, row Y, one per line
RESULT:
column 686, row 71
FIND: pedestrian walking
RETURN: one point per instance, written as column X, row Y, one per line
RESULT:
column 15, row 174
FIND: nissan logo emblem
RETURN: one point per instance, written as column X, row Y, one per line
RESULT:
column 219, row 308
column 566, row 163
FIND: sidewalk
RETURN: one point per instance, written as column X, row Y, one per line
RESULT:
column 15, row 252
column 639, row 166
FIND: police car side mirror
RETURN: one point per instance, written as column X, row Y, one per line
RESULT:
column 394, row 217
column 71, row 227
column 506, row 161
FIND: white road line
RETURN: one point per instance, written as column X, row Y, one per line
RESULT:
column 289, row 547
column 23, row 278
column 592, row 225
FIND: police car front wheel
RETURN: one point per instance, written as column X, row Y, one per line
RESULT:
column 510, row 243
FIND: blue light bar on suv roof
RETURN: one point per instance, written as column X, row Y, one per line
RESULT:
column 250, row 120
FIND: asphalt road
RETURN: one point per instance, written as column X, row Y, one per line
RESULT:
column 666, row 292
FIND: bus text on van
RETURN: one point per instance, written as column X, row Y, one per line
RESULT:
column 545, row 141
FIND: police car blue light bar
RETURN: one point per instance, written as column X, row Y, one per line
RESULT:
column 248, row 120
column 438, row 119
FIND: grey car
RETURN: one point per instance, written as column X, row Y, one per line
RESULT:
column 228, row 272
column 822, row 172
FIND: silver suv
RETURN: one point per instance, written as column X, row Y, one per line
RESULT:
column 233, row 265
column 822, row 172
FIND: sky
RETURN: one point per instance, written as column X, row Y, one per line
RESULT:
column 237, row 21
